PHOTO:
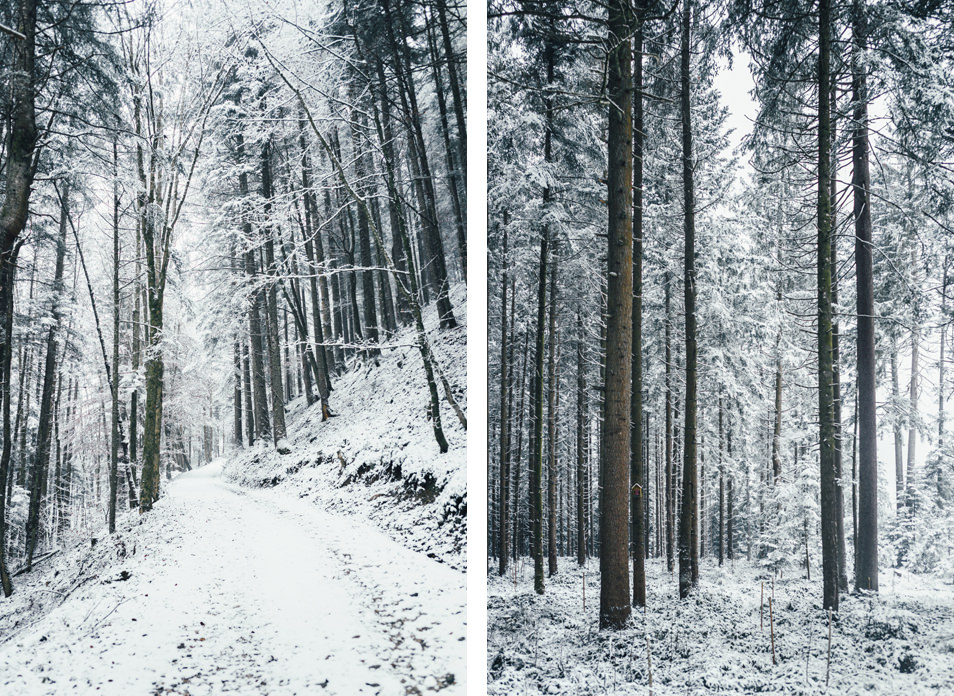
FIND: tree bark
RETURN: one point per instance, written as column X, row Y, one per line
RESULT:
column 581, row 418
column 552, row 429
column 114, row 386
column 21, row 144
column 614, row 508
column 721, row 491
column 670, row 486
column 455, row 183
column 866, row 558
column 829, row 506
column 898, row 444
column 272, row 337
column 504, row 496
column 362, row 172
column 912, row 418
column 637, row 465
column 688, row 517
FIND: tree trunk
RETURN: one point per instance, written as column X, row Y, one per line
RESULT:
column 688, row 516
column 637, row 465
column 912, row 418
column 395, row 211
column 552, row 428
column 670, row 485
column 237, row 393
column 836, row 356
column 503, row 530
column 614, row 508
column 261, row 419
column 114, row 386
column 866, row 557
column 898, row 444
column 518, row 522
column 721, row 491
column 535, row 467
column 456, row 90
column 729, row 513
column 826, row 416
column 581, row 419
column 362, row 171
column 22, row 138
column 272, row 337
column 318, row 281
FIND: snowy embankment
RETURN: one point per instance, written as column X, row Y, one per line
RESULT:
column 377, row 458
column 226, row 590
column 720, row 640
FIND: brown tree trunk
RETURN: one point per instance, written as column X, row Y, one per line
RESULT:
column 688, row 517
column 272, row 336
column 826, row 415
column 552, row 428
column 13, row 215
column 898, row 444
column 614, row 508
column 866, row 527
column 504, row 483
column 581, row 419
column 637, row 464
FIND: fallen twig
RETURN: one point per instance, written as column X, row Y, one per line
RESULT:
column 23, row 570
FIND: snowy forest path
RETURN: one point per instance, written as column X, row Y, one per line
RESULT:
column 247, row 591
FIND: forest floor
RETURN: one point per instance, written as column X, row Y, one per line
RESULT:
column 223, row 589
column 719, row 641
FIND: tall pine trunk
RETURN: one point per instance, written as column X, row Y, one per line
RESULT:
column 552, row 428
column 637, row 465
column 688, row 516
column 581, row 419
column 504, row 495
column 866, row 556
column 614, row 508
column 826, row 413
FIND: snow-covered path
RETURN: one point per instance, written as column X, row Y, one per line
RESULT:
column 232, row 590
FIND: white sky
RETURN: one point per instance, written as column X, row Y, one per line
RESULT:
column 736, row 86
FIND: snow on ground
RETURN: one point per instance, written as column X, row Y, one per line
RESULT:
column 378, row 458
column 901, row 641
column 334, row 565
column 225, row 590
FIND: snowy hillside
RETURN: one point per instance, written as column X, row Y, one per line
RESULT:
column 377, row 458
